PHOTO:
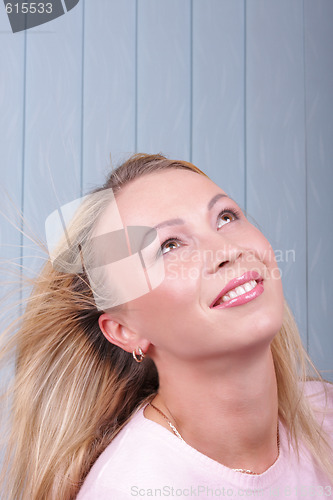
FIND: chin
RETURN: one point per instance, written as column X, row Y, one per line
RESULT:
column 270, row 319
column 269, row 323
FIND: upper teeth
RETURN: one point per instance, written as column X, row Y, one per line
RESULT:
column 239, row 290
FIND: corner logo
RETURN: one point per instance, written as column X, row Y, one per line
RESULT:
column 24, row 15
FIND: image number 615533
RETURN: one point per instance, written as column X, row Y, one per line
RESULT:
column 25, row 15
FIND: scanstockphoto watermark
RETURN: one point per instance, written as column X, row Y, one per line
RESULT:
column 193, row 263
column 201, row 491
column 118, row 260
column 195, row 255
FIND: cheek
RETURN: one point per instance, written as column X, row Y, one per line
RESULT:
column 273, row 274
column 263, row 250
column 182, row 272
column 180, row 285
column 270, row 262
column 174, row 296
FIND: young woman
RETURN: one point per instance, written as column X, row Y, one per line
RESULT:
column 196, row 385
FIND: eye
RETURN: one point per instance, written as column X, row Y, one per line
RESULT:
column 169, row 245
column 227, row 215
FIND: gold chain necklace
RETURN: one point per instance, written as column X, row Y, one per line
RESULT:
column 177, row 433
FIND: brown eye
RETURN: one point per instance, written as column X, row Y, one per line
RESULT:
column 169, row 245
column 225, row 218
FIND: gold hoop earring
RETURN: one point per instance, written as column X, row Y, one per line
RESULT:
column 138, row 357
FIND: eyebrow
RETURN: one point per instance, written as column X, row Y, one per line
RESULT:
column 170, row 222
column 215, row 199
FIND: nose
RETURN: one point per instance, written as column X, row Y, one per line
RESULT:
column 220, row 251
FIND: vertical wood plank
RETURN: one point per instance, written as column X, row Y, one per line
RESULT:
column 276, row 187
column 109, row 87
column 53, row 121
column 319, row 126
column 218, row 93
column 164, row 77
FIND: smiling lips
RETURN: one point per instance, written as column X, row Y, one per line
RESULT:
column 239, row 291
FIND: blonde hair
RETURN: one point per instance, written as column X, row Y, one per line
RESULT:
column 73, row 390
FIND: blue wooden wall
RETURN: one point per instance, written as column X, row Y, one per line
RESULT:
column 242, row 88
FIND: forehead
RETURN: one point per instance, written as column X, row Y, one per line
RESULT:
column 167, row 192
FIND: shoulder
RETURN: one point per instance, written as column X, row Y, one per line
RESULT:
column 139, row 443
column 320, row 397
column 319, row 393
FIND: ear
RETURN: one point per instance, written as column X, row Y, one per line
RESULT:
column 120, row 335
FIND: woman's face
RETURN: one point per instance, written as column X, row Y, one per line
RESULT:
column 207, row 244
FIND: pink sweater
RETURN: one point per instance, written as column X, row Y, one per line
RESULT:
column 145, row 460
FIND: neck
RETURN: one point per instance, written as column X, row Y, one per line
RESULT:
column 230, row 413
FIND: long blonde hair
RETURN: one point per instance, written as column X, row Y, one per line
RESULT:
column 73, row 390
